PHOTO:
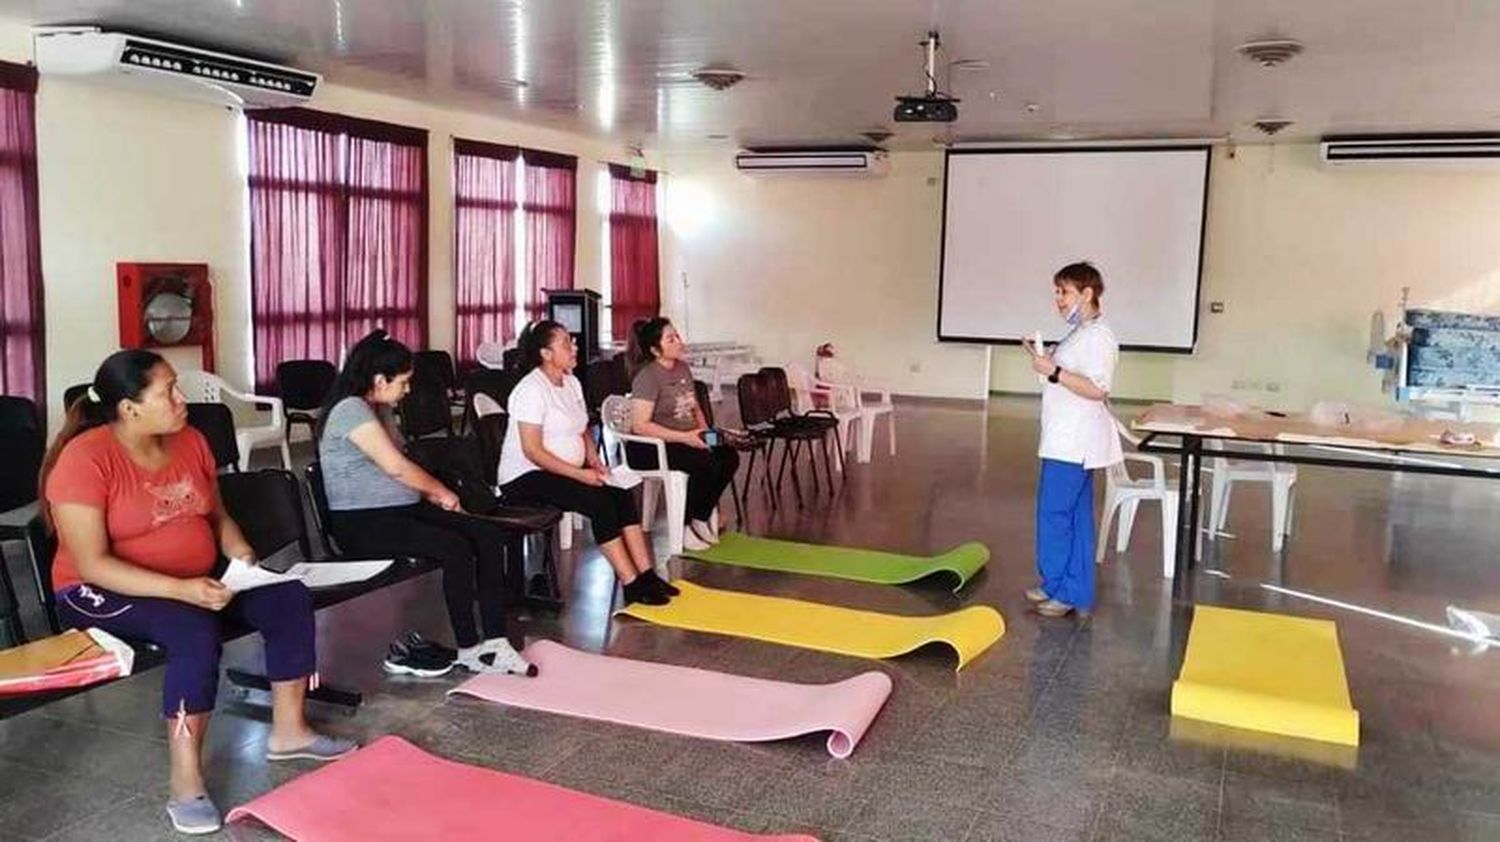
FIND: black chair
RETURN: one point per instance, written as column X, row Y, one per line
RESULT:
column 73, row 393
column 510, row 359
column 818, row 425
column 41, row 546
column 319, row 494
column 438, row 365
column 216, row 423
column 267, row 505
column 426, row 409
column 495, row 383
column 22, row 445
column 743, row 445
column 303, row 385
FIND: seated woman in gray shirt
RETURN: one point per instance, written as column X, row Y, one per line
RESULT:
column 384, row 504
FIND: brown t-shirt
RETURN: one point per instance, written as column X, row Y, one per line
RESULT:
column 672, row 393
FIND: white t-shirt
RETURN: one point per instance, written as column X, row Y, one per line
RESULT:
column 1074, row 428
column 561, row 413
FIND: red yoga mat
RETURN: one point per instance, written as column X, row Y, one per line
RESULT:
column 392, row 790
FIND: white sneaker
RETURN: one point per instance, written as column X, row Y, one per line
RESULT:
column 691, row 542
column 495, row 656
column 705, row 531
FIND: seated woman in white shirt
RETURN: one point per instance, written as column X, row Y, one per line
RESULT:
column 1078, row 436
column 549, row 458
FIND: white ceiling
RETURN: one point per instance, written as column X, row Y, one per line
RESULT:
column 824, row 70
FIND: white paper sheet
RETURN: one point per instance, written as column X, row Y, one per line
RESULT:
column 622, row 477
column 242, row 576
column 331, row 574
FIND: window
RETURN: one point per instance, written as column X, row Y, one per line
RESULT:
column 22, row 339
column 504, row 195
column 338, row 234
column 634, row 285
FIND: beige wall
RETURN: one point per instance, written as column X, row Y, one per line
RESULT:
column 129, row 175
column 787, row 262
column 1299, row 254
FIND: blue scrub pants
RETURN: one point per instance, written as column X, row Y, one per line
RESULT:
column 1065, row 533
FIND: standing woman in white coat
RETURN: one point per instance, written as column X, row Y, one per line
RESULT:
column 1078, row 436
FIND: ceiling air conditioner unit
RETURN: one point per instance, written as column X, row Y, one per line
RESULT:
column 170, row 69
column 1424, row 149
column 866, row 162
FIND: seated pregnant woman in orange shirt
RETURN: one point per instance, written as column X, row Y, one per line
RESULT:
column 133, row 494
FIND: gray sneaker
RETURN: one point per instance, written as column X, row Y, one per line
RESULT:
column 323, row 748
column 195, row 817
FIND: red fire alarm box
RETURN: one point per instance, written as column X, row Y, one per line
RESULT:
column 166, row 305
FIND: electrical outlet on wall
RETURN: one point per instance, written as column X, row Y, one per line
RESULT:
column 1216, row 307
column 915, row 368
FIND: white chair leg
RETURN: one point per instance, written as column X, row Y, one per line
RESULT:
column 1291, row 506
column 866, row 436
column 713, row 521
column 1279, row 494
column 565, row 531
column 245, row 443
column 1127, row 523
column 1169, row 536
column 890, row 427
column 286, row 455
column 676, row 494
column 648, row 502
column 1218, row 504
column 1111, row 502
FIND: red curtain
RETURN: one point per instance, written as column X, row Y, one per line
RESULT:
column 551, row 211
column 338, row 235
column 635, row 289
column 484, row 198
column 22, row 340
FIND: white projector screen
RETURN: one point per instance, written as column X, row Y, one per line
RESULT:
column 1013, row 217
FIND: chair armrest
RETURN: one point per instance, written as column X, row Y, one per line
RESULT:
column 278, row 410
column 661, row 450
column 1158, row 467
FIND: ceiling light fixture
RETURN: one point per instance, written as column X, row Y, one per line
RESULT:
column 1270, row 52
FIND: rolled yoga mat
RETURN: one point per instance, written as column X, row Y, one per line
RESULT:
column 882, row 568
column 828, row 628
column 392, row 790
column 683, row 700
column 1266, row 672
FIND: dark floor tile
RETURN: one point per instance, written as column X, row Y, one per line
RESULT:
column 1067, row 797
column 140, row 819
column 727, row 776
column 895, row 777
column 35, row 804
column 1478, row 827
column 1150, row 807
column 1233, row 830
column 911, row 819
column 827, row 798
column 1253, row 799
column 989, row 827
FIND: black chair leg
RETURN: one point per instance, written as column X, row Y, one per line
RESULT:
column 349, row 699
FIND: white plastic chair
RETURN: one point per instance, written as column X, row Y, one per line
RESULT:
column 485, row 405
column 870, row 411
column 490, row 355
column 1125, row 493
column 618, row 422
column 841, row 401
column 1281, row 478
column 203, row 387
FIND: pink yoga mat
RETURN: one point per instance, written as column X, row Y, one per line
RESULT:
column 683, row 700
column 392, row 790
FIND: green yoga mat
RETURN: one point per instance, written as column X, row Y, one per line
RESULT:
column 961, row 562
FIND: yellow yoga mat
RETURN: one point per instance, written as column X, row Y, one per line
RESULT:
column 1266, row 672
column 828, row 628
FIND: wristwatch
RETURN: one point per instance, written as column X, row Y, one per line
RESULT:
column 1056, row 373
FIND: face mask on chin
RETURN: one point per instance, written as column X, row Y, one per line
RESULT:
column 1074, row 315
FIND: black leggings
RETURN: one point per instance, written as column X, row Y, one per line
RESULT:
column 709, row 472
column 608, row 509
column 470, row 549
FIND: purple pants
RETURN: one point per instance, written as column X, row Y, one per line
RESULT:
column 283, row 614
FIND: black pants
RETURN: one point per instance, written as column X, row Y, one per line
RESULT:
column 608, row 509
column 709, row 472
column 470, row 549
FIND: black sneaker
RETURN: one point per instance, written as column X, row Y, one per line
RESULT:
column 660, row 584
column 412, row 655
column 641, row 590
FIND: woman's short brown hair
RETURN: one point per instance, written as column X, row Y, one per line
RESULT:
column 1082, row 275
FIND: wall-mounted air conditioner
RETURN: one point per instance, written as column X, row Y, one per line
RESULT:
column 1453, row 149
column 861, row 162
column 169, row 69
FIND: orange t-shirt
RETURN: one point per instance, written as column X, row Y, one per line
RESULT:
column 158, row 520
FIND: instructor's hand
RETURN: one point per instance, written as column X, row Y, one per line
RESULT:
column 1043, row 365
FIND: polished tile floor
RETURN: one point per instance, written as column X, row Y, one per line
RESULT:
column 1056, row 733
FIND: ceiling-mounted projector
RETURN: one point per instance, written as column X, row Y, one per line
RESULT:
column 934, row 106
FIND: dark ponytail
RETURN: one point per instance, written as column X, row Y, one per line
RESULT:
column 534, row 337
column 122, row 376
column 376, row 354
column 645, row 337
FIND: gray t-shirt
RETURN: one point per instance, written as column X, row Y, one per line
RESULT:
column 352, row 479
column 671, row 390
